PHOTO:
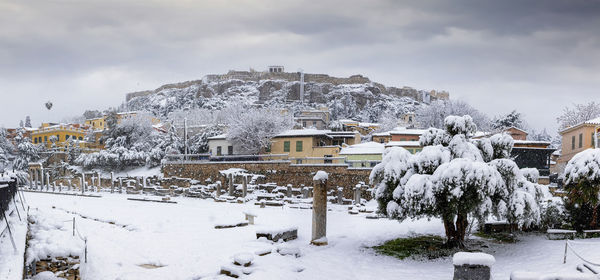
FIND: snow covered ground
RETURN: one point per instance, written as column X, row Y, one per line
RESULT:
column 146, row 240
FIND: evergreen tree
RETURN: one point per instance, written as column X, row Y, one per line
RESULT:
column 454, row 178
column 27, row 121
column 512, row 119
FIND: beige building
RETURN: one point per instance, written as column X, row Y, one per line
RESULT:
column 312, row 145
column 576, row 139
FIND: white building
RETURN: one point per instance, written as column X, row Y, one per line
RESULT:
column 219, row 146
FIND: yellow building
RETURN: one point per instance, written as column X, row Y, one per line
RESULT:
column 97, row 123
column 313, row 146
column 100, row 123
column 63, row 133
column 576, row 139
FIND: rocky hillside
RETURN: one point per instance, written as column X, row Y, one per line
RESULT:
column 353, row 97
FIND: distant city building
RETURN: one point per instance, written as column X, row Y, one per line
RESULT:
column 276, row 69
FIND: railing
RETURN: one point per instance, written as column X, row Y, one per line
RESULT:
column 204, row 158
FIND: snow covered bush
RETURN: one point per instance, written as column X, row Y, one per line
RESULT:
column 531, row 174
column 454, row 178
column 582, row 183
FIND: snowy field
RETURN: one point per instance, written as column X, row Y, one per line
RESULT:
column 181, row 240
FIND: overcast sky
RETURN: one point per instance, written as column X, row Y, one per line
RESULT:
column 532, row 56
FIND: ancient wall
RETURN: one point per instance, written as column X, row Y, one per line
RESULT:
column 282, row 173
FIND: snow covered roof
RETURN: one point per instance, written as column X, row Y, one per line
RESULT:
column 407, row 131
column 532, row 142
column 403, row 144
column 347, row 121
column 303, row 132
column 218, row 137
column 366, row 124
column 595, row 121
column 381, row 134
column 367, row 148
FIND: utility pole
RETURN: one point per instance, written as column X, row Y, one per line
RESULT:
column 301, row 85
column 185, row 140
column 596, row 137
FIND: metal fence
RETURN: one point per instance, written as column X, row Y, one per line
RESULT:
column 8, row 190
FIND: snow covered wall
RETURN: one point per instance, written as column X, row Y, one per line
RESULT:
column 354, row 97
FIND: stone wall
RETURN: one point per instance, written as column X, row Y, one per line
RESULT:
column 282, row 173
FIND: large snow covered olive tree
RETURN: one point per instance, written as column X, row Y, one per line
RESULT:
column 455, row 177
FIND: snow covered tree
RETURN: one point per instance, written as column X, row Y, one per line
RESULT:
column 433, row 115
column 454, row 178
column 132, row 143
column 21, row 123
column 198, row 144
column 582, row 182
column 27, row 121
column 252, row 129
column 26, row 151
column 6, row 149
column 578, row 113
column 512, row 119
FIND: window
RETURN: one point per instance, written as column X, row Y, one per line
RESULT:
column 286, row 146
column 218, row 150
column 230, row 150
column 35, row 140
column 303, row 124
column 573, row 142
column 381, row 140
column 80, row 138
column 45, row 138
column 66, row 136
column 57, row 137
column 314, row 124
column 580, row 140
column 298, row 146
column 328, row 161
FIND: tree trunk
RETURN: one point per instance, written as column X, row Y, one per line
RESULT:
column 456, row 231
column 594, row 217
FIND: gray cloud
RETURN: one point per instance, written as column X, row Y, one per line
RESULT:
column 533, row 56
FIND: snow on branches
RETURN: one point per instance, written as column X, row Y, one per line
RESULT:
column 455, row 177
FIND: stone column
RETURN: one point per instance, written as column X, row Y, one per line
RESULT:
column 30, row 179
column 35, row 178
column 245, row 186
column 138, row 184
column 47, row 181
column 41, row 179
column 304, row 192
column 218, row 191
column 53, row 186
column 319, row 217
column 120, row 185
column 70, row 185
column 340, row 195
column 112, row 182
column 82, row 186
column 99, row 181
column 289, row 190
column 93, row 182
column 357, row 194
column 231, row 187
